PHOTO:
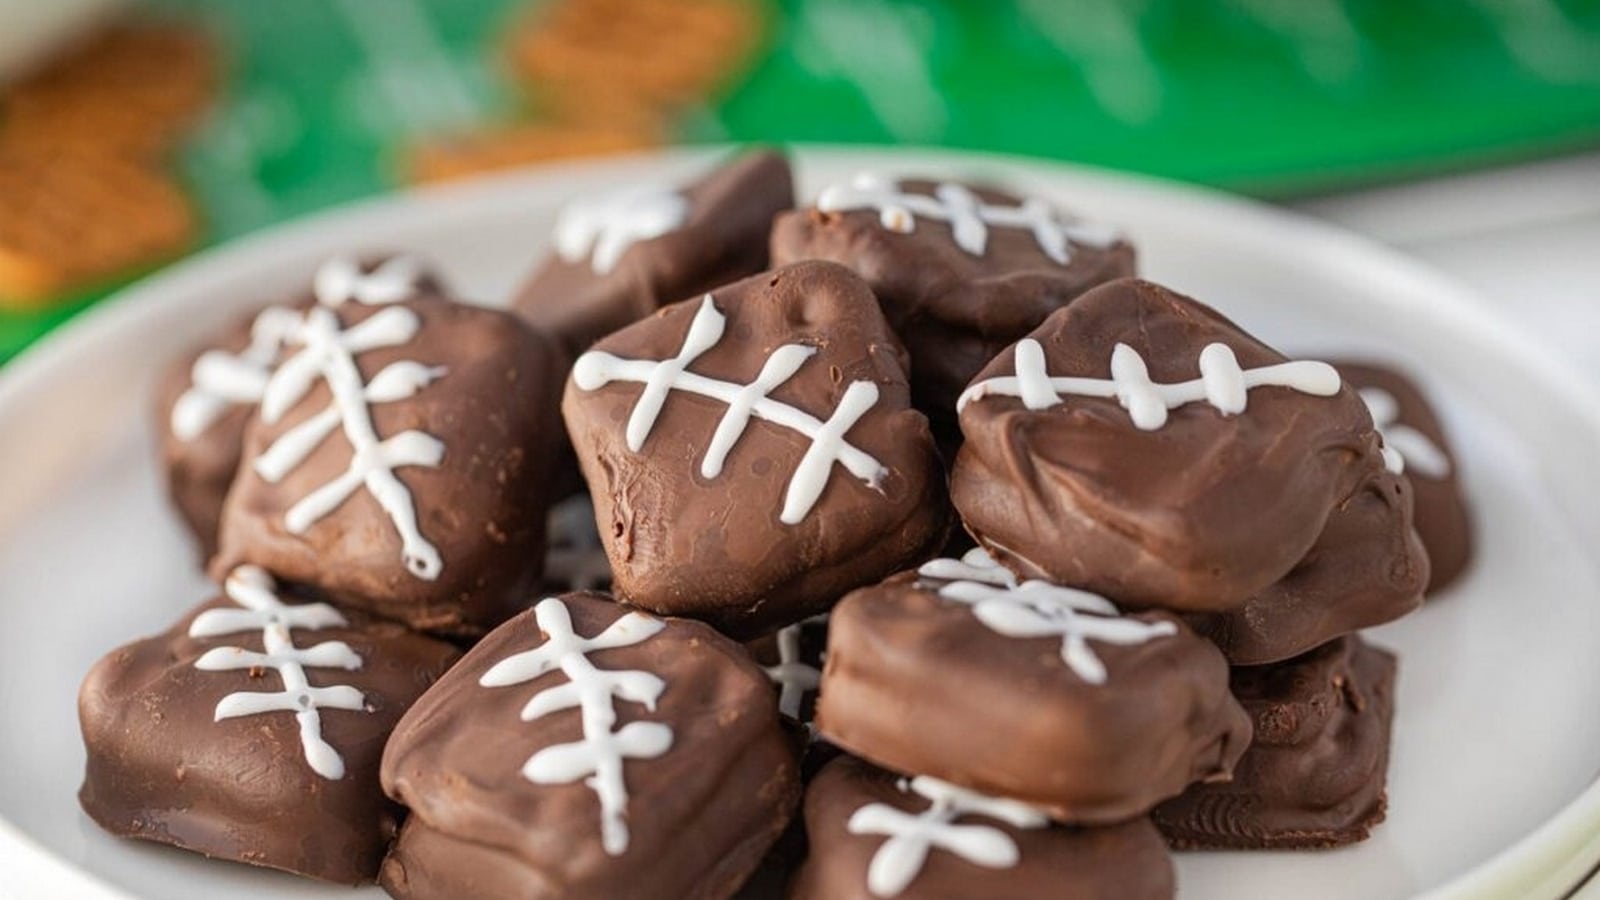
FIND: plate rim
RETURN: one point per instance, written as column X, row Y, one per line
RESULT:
column 1557, row 858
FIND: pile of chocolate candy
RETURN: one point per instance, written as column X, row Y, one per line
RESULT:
column 946, row 559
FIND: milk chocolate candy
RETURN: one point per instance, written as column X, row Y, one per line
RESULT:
column 252, row 731
column 1027, row 690
column 1141, row 446
column 792, row 657
column 1314, row 777
column 1418, row 447
column 583, row 750
column 1368, row 567
column 400, row 457
column 621, row 256
column 208, row 397
column 753, row 454
column 962, row 271
column 875, row 836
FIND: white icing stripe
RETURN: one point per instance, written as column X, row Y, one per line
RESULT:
column 1404, row 448
column 602, row 229
column 340, row 280
column 596, row 369
column 328, row 352
column 253, row 589
column 599, row 756
column 793, row 675
column 911, row 837
column 969, row 217
column 1222, row 383
column 1033, row 609
column 219, row 380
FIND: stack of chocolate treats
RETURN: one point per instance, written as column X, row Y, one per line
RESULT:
column 945, row 559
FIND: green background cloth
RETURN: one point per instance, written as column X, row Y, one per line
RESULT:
column 1269, row 97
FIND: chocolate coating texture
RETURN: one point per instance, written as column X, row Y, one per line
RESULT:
column 953, row 309
column 1200, row 514
column 715, row 548
column 160, row 769
column 1442, row 518
column 483, row 507
column 1117, row 862
column 722, row 239
column 1315, row 775
column 699, row 816
column 918, row 684
column 1368, row 567
column 200, row 470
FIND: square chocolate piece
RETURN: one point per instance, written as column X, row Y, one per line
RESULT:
column 962, row 271
column 876, row 836
column 1141, row 446
column 208, row 397
column 583, row 750
column 252, row 731
column 621, row 256
column 1027, row 690
column 753, row 453
column 1314, row 777
column 400, row 458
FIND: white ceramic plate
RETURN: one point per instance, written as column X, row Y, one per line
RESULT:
column 1497, row 740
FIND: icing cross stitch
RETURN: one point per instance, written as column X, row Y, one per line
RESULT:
column 793, row 675
column 1222, row 383
column 970, row 218
column 595, row 369
column 220, row 380
column 253, row 590
column 912, row 836
column 1404, row 448
column 602, row 229
column 1041, row 609
column 599, row 756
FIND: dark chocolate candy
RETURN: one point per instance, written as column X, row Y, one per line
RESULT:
column 1201, row 497
column 582, row 750
column 1411, row 429
column 1314, row 777
column 753, row 454
column 401, row 457
column 208, row 397
column 617, row 258
column 1367, row 568
column 962, row 271
column 875, row 836
column 1029, row 691
column 252, row 731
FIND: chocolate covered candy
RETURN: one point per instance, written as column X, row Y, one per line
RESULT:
column 252, row 731
column 583, row 750
column 401, row 454
column 1027, row 690
column 1368, row 567
column 208, row 397
column 1141, row 446
column 876, row 836
column 1314, row 777
column 752, row 453
column 1416, row 445
column 961, row 271
column 619, row 257
column 792, row 657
